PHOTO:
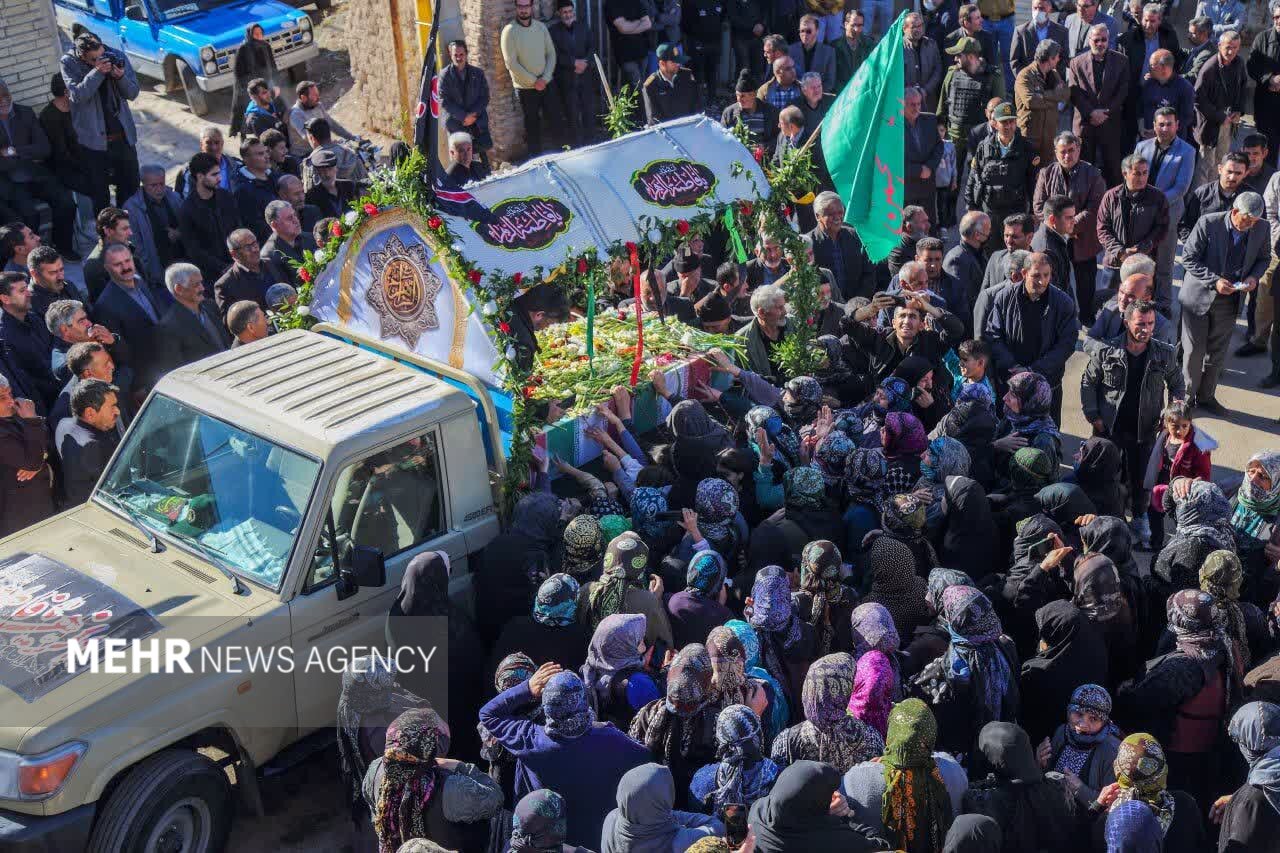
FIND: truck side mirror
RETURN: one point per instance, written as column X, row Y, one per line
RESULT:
column 135, row 13
column 365, row 567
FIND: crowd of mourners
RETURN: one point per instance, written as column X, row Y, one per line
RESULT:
column 878, row 607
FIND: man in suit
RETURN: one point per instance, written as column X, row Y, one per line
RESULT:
column 1225, row 256
column 1079, row 22
column 1026, row 36
column 191, row 329
column 153, row 220
column 24, row 335
column 1201, row 46
column 24, row 179
column 287, row 241
column 1070, row 176
column 1138, row 45
column 1099, row 85
column 923, row 152
column 837, row 247
column 920, row 57
column 1173, row 165
column 966, row 261
column 132, row 309
column 247, row 323
column 1133, row 219
column 464, row 96
column 245, row 278
column 809, row 54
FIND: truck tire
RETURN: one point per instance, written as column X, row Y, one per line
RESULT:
column 297, row 73
column 197, row 100
column 174, row 800
column 323, row 6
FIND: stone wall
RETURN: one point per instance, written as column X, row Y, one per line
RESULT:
column 373, row 69
column 30, row 57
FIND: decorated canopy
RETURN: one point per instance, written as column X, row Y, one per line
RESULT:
column 388, row 280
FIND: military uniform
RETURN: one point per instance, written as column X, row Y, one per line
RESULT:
column 962, row 106
column 664, row 101
column 1001, row 183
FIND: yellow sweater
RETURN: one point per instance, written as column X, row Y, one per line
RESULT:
column 529, row 53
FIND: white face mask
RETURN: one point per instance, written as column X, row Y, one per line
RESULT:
column 1041, row 17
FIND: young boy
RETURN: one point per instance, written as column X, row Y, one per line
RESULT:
column 970, row 367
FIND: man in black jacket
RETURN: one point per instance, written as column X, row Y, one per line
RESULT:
column 1053, row 236
column 207, row 216
column 245, row 278
column 1133, row 44
column 24, row 336
column 287, row 241
column 86, row 441
column 837, row 247
column 132, row 309
column 191, row 329
column 884, row 349
column 464, row 95
column 922, row 153
column 1215, row 196
column 23, row 177
column 572, row 82
column 254, row 186
column 1004, row 171
column 966, row 261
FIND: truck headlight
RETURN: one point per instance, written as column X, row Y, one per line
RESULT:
column 37, row 777
column 206, row 53
column 210, row 68
column 306, row 36
column 304, row 23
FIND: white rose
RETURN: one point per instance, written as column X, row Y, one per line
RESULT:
column 320, row 256
column 655, row 236
column 511, row 353
column 489, row 308
column 351, row 218
column 303, row 311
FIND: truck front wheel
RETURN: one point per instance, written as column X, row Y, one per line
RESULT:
column 196, row 97
column 174, row 800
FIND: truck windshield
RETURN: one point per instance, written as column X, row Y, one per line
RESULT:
column 168, row 10
column 215, row 488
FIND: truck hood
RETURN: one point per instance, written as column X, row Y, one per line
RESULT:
column 223, row 26
column 85, row 573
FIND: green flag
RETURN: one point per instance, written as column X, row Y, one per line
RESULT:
column 862, row 141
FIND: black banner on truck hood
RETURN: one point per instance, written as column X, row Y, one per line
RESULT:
column 43, row 604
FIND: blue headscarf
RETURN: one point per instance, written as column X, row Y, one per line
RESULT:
column 1132, row 828
column 564, row 701
column 646, row 503
column 705, row 575
column 557, row 601
column 779, row 713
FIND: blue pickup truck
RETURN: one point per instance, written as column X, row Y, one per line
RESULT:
column 191, row 44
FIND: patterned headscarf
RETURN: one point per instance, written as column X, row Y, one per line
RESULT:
column 828, row 731
column 903, row 435
column 689, row 680
column 895, row 584
column 603, row 503
column 1035, row 396
column 738, row 744
column 1078, row 748
column 1256, row 730
column 779, row 706
column 873, row 686
column 904, row 517
column 564, row 702
column 1221, row 576
column 820, row 564
column 1204, row 512
column 583, row 546
column 705, row 574
column 977, row 393
column 1030, row 469
column 540, row 823
column 646, row 503
column 948, row 458
column 974, row 655
column 1133, row 828
column 409, row 778
column 897, row 392
column 830, row 456
column 1096, row 586
column 557, row 602
column 625, row 563
column 865, row 471
column 537, row 516
column 368, row 686
column 515, row 668
column 782, row 436
column 1256, row 507
column 613, row 526
column 709, row 844
column 1142, row 771
column 717, row 505
column 873, row 630
column 939, row 580
column 728, row 666
column 804, row 489
column 612, row 653
column 806, row 399
column 916, row 808
column 1195, row 626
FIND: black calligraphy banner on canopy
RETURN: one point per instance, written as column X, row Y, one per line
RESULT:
column 45, row 603
column 525, row 223
column 673, row 183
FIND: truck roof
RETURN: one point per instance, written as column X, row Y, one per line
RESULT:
column 312, row 392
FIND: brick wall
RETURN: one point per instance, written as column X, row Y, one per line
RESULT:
column 31, row 49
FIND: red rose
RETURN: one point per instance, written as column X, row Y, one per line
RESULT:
column 434, row 223
column 304, row 275
column 336, row 229
column 810, row 321
column 582, row 266
column 529, row 391
column 504, row 327
column 682, row 227
column 786, row 211
column 631, row 247
column 745, row 209
column 474, row 275
column 517, row 278
column 371, row 209
column 758, row 153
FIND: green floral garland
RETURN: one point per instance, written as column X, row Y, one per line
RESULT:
column 494, row 292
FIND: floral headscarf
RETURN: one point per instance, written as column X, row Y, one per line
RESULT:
column 583, row 546
column 806, row 395
column 567, row 707
column 904, row 517
column 1221, row 576
column 873, row 630
column 774, row 618
column 782, row 436
column 828, row 733
column 625, row 563
column 1142, row 771
column 689, row 680
column 916, row 809
column 540, row 823
column 873, row 687
column 820, row 564
column 1030, row 469
column 1096, row 587
column 865, row 471
column 1092, row 699
column 515, row 668
column 1204, row 512
column 830, row 456
column 409, row 778
column 1035, row 396
column 368, row 686
column 948, row 458
column 827, row 688
column 898, row 393
column 738, row 744
column 646, row 503
column 803, row 488
column 1256, row 507
column 717, row 505
column 705, row 574
column 974, row 654
column 556, row 604
column 728, row 665
column 1195, row 626
column 903, row 435
column 977, row 393
column 939, row 580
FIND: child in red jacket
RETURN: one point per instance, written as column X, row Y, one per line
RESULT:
column 1181, row 450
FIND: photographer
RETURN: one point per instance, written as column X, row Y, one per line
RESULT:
column 885, row 349
column 100, row 84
